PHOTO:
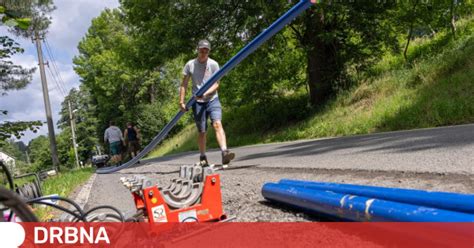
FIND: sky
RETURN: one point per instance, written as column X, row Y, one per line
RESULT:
column 70, row 21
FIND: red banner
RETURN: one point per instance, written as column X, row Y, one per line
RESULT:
column 330, row 234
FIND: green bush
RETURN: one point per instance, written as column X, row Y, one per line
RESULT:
column 153, row 117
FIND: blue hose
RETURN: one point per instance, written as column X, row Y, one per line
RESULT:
column 358, row 208
column 444, row 200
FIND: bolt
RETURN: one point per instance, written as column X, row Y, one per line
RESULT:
column 150, row 193
column 213, row 180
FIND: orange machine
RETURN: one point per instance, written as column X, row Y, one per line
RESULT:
column 154, row 204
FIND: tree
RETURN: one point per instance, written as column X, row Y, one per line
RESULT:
column 130, row 59
column 119, row 87
column 16, row 128
column 419, row 18
column 13, row 77
column 333, row 35
column 103, row 69
column 13, row 148
column 31, row 16
column 40, row 153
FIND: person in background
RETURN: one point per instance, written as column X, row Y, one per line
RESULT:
column 113, row 135
column 132, row 138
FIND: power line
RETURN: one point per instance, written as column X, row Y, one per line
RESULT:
column 54, row 68
column 53, row 59
column 55, row 79
column 57, row 86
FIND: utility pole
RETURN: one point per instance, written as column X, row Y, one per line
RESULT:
column 47, row 105
column 73, row 127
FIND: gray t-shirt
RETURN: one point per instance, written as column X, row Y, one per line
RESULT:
column 113, row 134
column 200, row 73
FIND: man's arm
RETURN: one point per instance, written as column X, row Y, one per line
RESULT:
column 125, row 134
column 182, row 92
column 138, row 133
column 106, row 136
column 211, row 90
column 121, row 134
column 215, row 67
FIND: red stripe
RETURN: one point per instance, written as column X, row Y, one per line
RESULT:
column 333, row 234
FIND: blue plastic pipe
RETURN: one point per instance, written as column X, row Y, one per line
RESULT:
column 444, row 200
column 241, row 55
column 357, row 208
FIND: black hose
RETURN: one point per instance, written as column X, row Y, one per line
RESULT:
column 32, row 190
column 81, row 215
column 79, row 209
column 60, row 208
column 17, row 205
column 190, row 218
column 107, row 216
column 122, row 219
column 10, row 216
column 9, row 176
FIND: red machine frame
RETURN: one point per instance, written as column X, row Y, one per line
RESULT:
column 207, row 210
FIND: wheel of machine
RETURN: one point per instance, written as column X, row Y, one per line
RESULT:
column 38, row 188
column 17, row 205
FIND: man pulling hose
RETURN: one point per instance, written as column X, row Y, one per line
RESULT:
column 200, row 70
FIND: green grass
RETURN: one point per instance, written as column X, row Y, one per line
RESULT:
column 63, row 184
column 435, row 87
column 186, row 140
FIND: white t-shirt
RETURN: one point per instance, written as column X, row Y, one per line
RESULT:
column 200, row 73
column 113, row 134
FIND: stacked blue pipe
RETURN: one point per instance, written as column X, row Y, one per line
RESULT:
column 370, row 203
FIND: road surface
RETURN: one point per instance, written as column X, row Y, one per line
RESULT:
column 440, row 159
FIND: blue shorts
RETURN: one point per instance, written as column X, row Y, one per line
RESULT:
column 203, row 110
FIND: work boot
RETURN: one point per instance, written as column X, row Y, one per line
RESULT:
column 227, row 156
column 203, row 161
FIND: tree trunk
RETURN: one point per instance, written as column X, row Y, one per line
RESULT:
column 151, row 92
column 410, row 32
column 453, row 19
column 321, row 56
column 321, row 74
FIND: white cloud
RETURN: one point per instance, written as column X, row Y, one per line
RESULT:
column 70, row 22
column 72, row 19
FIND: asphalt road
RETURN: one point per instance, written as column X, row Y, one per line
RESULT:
column 440, row 159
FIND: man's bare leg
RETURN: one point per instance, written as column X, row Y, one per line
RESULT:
column 220, row 135
column 202, row 142
column 227, row 156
